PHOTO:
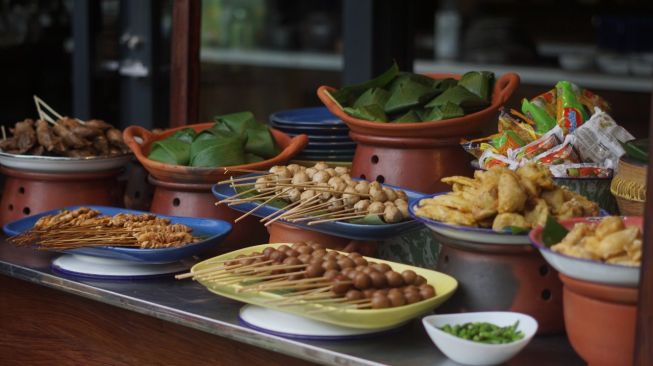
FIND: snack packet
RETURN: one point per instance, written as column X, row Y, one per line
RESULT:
column 542, row 110
column 546, row 142
column 599, row 140
column 489, row 159
column 561, row 154
column 523, row 129
column 508, row 140
column 570, row 112
column 580, row 171
column 477, row 146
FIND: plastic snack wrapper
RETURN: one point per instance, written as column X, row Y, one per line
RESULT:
column 489, row 159
column 542, row 110
column 522, row 128
column 570, row 112
column 545, row 143
column 599, row 140
column 476, row 147
column 580, row 171
column 563, row 153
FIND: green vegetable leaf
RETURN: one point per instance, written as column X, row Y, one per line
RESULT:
column 430, row 114
column 170, row 151
column 252, row 158
column 410, row 116
column 236, row 122
column 450, row 110
column 217, row 152
column 637, row 149
column 553, row 232
column 372, row 112
column 347, row 95
column 368, row 220
column 479, row 83
column 407, row 95
column 459, row 96
column 516, row 230
column 372, row 96
column 186, row 134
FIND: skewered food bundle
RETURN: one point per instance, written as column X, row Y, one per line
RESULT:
column 308, row 273
column 85, row 227
column 234, row 139
column 401, row 97
column 66, row 137
column 504, row 199
column 320, row 194
column 609, row 241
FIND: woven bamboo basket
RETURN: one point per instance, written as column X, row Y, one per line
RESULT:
column 629, row 187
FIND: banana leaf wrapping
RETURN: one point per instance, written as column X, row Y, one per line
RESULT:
column 401, row 97
column 234, row 139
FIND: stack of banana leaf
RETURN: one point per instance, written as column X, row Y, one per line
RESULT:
column 402, row 97
column 234, row 139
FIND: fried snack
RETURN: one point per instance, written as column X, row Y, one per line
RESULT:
column 609, row 241
column 500, row 198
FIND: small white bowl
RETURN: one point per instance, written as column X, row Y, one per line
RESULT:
column 476, row 353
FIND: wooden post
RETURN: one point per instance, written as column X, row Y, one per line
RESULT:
column 644, row 339
column 185, row 62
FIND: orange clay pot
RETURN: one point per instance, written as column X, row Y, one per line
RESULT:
column 196, row 200
column 600, row 321
column 412, row 163
column 179, row 173
column 454, row 127
column 28, row 193
column 502, row 278
column 283, row 233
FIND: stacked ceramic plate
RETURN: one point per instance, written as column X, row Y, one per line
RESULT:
column 328, row 136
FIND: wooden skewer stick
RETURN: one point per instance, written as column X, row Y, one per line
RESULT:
column 299, row 294
column 342, row 212
column 286, row 213
column 249, row 184
column 236, row 195
column 214, row 269
column 340, row 218
column 244, row 171
column 310, row 210
column 231, row 270
column 261, row 205
column 4, row 133
column 258, row 197
column 280, row 212
column 254, row 177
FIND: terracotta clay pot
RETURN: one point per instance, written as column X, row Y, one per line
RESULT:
column 600, row 321
column 196, row 200
column 454, row 127
column 28, row 193
column 412, row 163
column 502, row 278
column 179, row 173
column 283, row 233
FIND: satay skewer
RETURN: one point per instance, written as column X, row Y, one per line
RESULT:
column 261, row 205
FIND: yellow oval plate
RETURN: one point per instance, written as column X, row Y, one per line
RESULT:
column 354, row 318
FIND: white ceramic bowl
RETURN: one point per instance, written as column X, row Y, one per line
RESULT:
column 586, row 269
column 475, row 353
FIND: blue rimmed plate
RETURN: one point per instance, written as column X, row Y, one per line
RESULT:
column 310, row 130
column 336, row 228
column 587, row 269
column 212, row 232
column 338, row 146
column 315, row 116
column 324, row 138
column 469, row 234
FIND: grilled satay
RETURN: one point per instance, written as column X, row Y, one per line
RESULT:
column 69, row 138
column 47, row 139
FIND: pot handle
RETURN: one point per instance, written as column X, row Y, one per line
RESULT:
column 297, row 143
column 506, row 85
column 131, row 132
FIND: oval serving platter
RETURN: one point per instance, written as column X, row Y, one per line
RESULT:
column 211, row 231
column 337, row 228
column 353, row 318
column 60, row 164
column 467, row 233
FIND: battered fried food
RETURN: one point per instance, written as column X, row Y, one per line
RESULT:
column 502, row 198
